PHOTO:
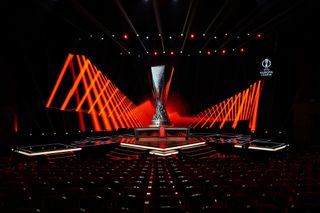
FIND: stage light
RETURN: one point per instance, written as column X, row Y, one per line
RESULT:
column 42, row 133
column 54, row 133
column 137, row 35
column 203, row 34
column 181, row 51
column 223, row 51
column 102, row 38
column 215, row 51
column 226, row 34
column 248, row 34
column 181, row 34
column 199, row 51
column 164, row 52
column 238, row 37
column 147, row 52
column 259, row 35
column 266, row 132
column 233, row 49
column 125, row 36
column 155, row 53
column 192, row 36
column 171, row 53
column 112, row 35
column 170, row 37
column 215, row 37
column 79, row 131
column 208, row 52
column 90, row 36
column 242, row 50
column 159, row 35
column 129, row 53
column 67, row 133
column 147, row 37
column 30, row 134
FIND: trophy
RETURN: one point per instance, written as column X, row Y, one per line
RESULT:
column 161, row 78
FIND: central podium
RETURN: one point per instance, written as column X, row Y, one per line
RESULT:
column 161, row 138
column 161, row 133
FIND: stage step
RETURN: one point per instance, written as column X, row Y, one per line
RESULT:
column 59, row 156
column 126, row 153
column 196, row 149
column 201, row 152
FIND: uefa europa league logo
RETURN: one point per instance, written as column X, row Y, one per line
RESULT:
column 161, row 78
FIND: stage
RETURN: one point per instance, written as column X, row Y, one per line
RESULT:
column 161, row 145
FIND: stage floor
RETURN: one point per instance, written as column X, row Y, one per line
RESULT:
column 155, row 145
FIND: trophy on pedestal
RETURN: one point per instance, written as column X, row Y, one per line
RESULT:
column 161, row 78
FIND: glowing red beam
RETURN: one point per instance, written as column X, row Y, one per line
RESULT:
column 56, row 86
column 75, row 85
column 92, row 72
column 230, row 109
column 94, row 116
column 108, row 101
column 80, row 115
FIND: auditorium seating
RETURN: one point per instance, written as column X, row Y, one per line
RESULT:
column 288, row 182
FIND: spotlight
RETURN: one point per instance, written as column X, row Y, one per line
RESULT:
column 159, row 35
column 155, row 53
column 203, row 34
column 112, row 35
column 181, row 51
column 147, row 37
column 171, row 53
column 215, row 37
column 242, row 50
column 208, row 52
column 170, row 37
column 137, row 35
column 125, row 36
column 30, row 134
column 223, row 51
column 181, row 34
column 192, row 36
column 164, row 52
column 259, row 35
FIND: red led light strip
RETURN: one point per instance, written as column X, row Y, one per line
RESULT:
column 242, row 106
column 96, row 95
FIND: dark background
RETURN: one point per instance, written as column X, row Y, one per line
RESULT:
column 37, row 35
